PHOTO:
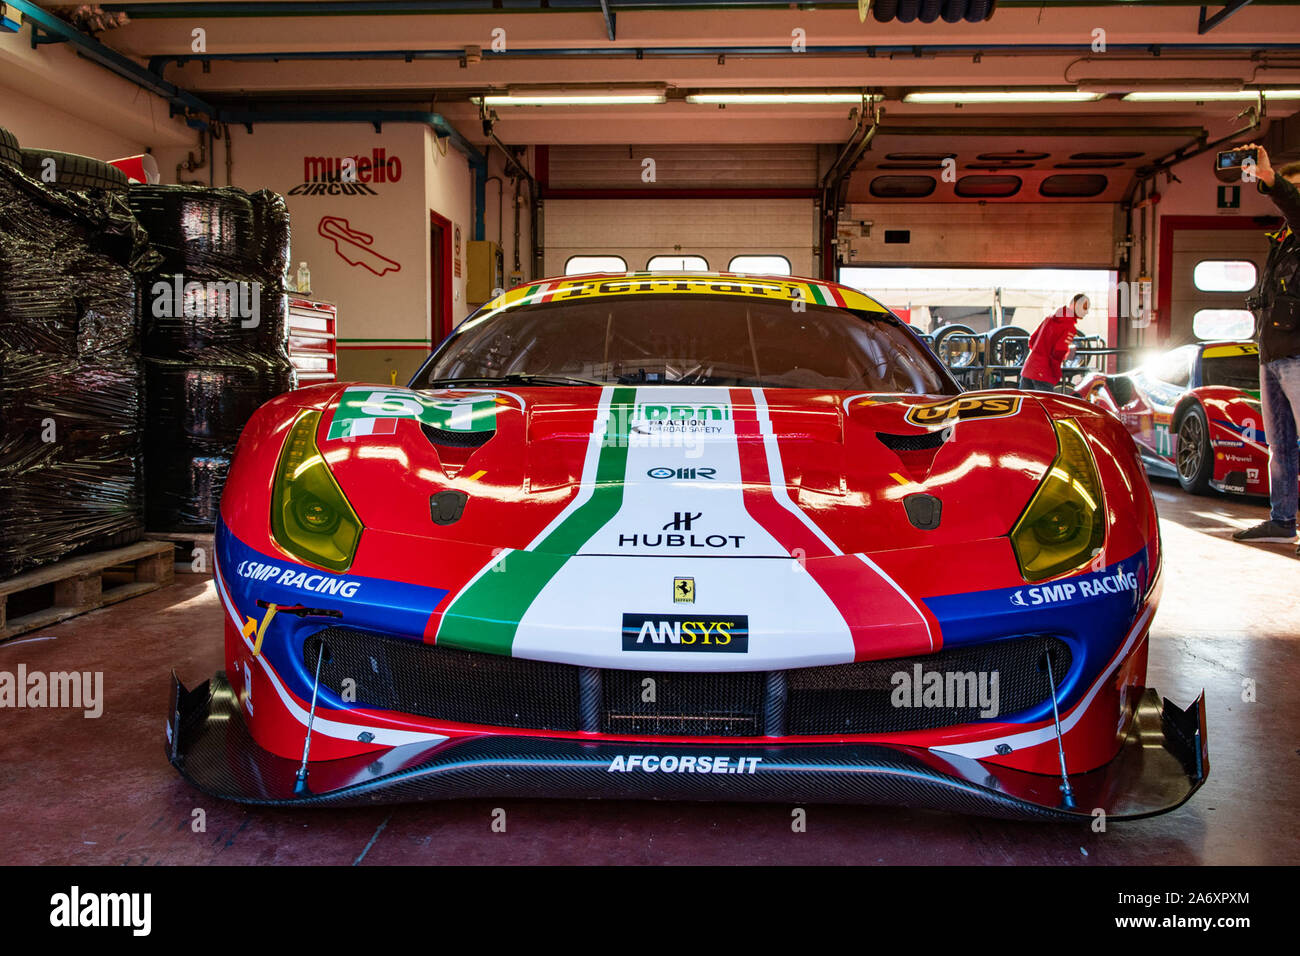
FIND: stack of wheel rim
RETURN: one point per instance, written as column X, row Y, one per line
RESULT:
column 70, row 370
column 214, row 330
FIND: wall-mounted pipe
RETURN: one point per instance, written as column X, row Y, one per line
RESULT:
column 712, row 51
column 181, row 101
column 281, row 8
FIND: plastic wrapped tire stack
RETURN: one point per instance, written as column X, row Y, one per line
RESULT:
column 70, row 370
column 214, row 332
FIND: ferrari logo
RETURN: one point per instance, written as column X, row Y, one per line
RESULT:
column 683, row 590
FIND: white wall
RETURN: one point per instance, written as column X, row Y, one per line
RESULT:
column 383, row 305
column 50, row 98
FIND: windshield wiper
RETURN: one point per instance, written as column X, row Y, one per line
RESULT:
column 513, row 378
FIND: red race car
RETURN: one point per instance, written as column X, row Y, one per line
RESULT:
column 1194, row 413
column 699, row 536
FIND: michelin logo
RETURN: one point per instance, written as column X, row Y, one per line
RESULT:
column 295, row 578
column 1096, row 585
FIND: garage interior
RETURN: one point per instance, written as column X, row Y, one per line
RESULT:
column 972, row 165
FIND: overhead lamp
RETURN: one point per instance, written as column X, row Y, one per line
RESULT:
column 728, row 99
column 1123, row 85
column 1003, row 96
column 572, row 99
column 1197, row 96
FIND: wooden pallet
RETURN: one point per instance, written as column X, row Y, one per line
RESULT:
column 82, row 584
column 184, row 543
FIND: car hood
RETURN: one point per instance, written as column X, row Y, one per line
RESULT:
column 692, row 471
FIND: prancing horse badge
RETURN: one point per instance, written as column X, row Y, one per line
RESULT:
column 683, row 590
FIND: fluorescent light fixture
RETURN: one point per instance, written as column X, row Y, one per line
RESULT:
column 770, row 98
column 1003, row 96
column 1197, row 96
column 1151, row 85
column 574, row 99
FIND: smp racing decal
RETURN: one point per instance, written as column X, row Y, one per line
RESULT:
column 250, row 576
column 314, row 582
column 1093, row 585
column 689, row 763
column 686, row 632
column 370, row 411
column 1095, row 604
column 964, row 408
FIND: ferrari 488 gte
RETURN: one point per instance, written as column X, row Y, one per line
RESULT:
column 688, row 536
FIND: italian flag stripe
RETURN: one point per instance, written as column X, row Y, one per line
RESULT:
column 485, row 616
column 818, row 293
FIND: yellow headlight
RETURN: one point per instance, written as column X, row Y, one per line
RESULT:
column 1065, row 522
column 310, row 517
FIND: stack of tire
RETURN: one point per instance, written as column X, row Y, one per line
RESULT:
column 214, row 317
column 70, row 369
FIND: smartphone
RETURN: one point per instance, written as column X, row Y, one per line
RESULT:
column 1228, row 164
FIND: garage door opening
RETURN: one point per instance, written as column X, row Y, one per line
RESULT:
column 984, row 299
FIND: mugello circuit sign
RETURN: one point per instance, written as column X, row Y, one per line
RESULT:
column 355, row 175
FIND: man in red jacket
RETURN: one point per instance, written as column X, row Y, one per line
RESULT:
column 1050, row 344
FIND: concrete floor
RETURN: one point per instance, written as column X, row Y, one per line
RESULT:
column 78, row 791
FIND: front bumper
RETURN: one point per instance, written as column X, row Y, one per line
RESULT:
column 1161, row 763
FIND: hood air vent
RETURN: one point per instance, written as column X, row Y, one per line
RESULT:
column 455, row 439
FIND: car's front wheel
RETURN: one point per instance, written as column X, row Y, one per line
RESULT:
column 1195, row 457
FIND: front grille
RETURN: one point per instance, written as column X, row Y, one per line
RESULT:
column 659, row 703
column 866, row 697
column 417, row 678
column 862, row 698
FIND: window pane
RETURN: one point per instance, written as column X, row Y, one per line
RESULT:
column 678, row 264
column 987, row 186
column 580, row 265
column 898, row 187
column 1223, row 324
column 760, row 265
column 1225, row 275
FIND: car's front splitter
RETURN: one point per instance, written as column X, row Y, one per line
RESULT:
column 1162, row 762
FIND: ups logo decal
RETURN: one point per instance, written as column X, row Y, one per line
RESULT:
column 963, row 408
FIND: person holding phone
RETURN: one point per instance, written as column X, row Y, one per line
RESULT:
column 1276, row 304
column 1050, row 345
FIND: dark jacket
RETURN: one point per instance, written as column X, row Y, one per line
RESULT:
column 1281, row 274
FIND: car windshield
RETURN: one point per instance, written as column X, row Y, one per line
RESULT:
column 1234, row 371
column 694, row 339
